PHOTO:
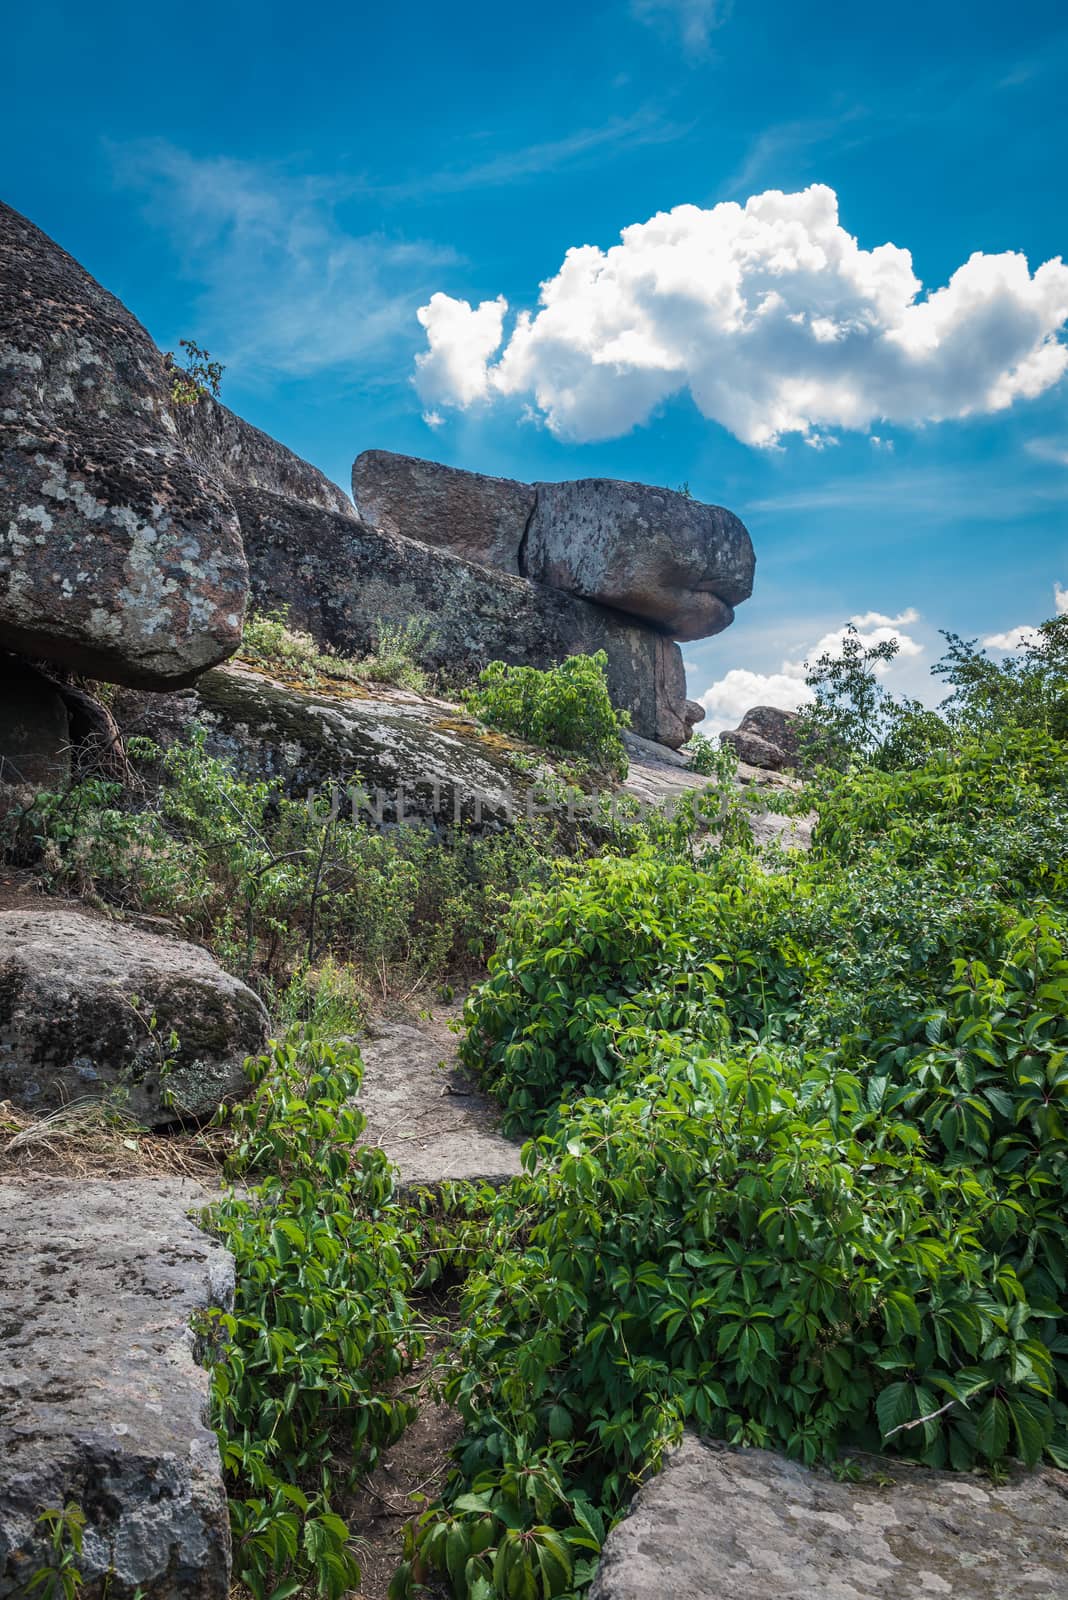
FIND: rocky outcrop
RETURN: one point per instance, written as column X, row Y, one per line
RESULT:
column 653, row 553
column 765, row 737
column 405, row 750
column 340, row 579
column 102, row 1402
column 663, row 778
column 69, row 1028
column 119, row 555
column 394, row 755
column 738, row 1524
column 241, row 456
column 481, row 518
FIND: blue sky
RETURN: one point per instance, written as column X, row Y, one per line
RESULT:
column 290, row 186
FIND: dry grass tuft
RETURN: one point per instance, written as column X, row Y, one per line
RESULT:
column 90, row 1139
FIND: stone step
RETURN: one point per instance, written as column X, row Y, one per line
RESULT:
column 428, row 1116
column 741, row 1524
column 102, row 1401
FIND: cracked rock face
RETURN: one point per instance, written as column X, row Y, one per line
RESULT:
column 650, row 552
column 102, row 1400
column 68, row 1028
column 481, row 518
column 738, row 1524
column 119, row 555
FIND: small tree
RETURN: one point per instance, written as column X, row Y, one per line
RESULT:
column 199, row 377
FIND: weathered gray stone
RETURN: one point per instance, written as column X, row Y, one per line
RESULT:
column 340, row 579
column 34, row 732
column 765, row 737
column 724, row 1524
column 118, row 555
column 650, row 552
column 423, row 1110
column 661, row 778
column 481, row 518
column 239, row 455
column 401, row 747
column 102, row 1401
column 68, row 1028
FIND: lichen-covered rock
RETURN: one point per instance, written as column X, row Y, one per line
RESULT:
column 393, row 756
column 481, row 518
column 340, row 578
column 102, row 1402
column 765, row 737
column 236, row 453
column 69, row 1028
column 743, row 1524
column 34, row 733
column 653, row 553
column 119, row 556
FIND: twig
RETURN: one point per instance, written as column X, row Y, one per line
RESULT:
column 919, row 1422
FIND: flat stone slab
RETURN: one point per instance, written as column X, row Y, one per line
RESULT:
column 723, row 1524
column 426, row 1114
column 102, row 1400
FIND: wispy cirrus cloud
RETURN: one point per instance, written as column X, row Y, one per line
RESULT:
column 288, row 286
column 1055, row 450
column 583, row 147
column 781, row 151
column 692, row 22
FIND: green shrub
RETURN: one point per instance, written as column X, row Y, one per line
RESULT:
column 200, row 376
column 704, row 755
column 270, row 641
column 565, row 708
column 817, row 1199
column 277, row 888
column 721, row 1248
column 593, row 977
column 301, row 1371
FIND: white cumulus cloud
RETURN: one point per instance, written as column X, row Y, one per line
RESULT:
column 1017, row 638
column 1012, row 638
column 453, row 370
column 770, row 314
column 728, row 699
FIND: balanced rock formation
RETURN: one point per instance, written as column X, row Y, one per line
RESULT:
column 119, row 555
column 103, row 1404
column 741, row 1524
column 340, row 579
column 653, row 553
column 765, row 737
column 69, row 1027
column 481, row 518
